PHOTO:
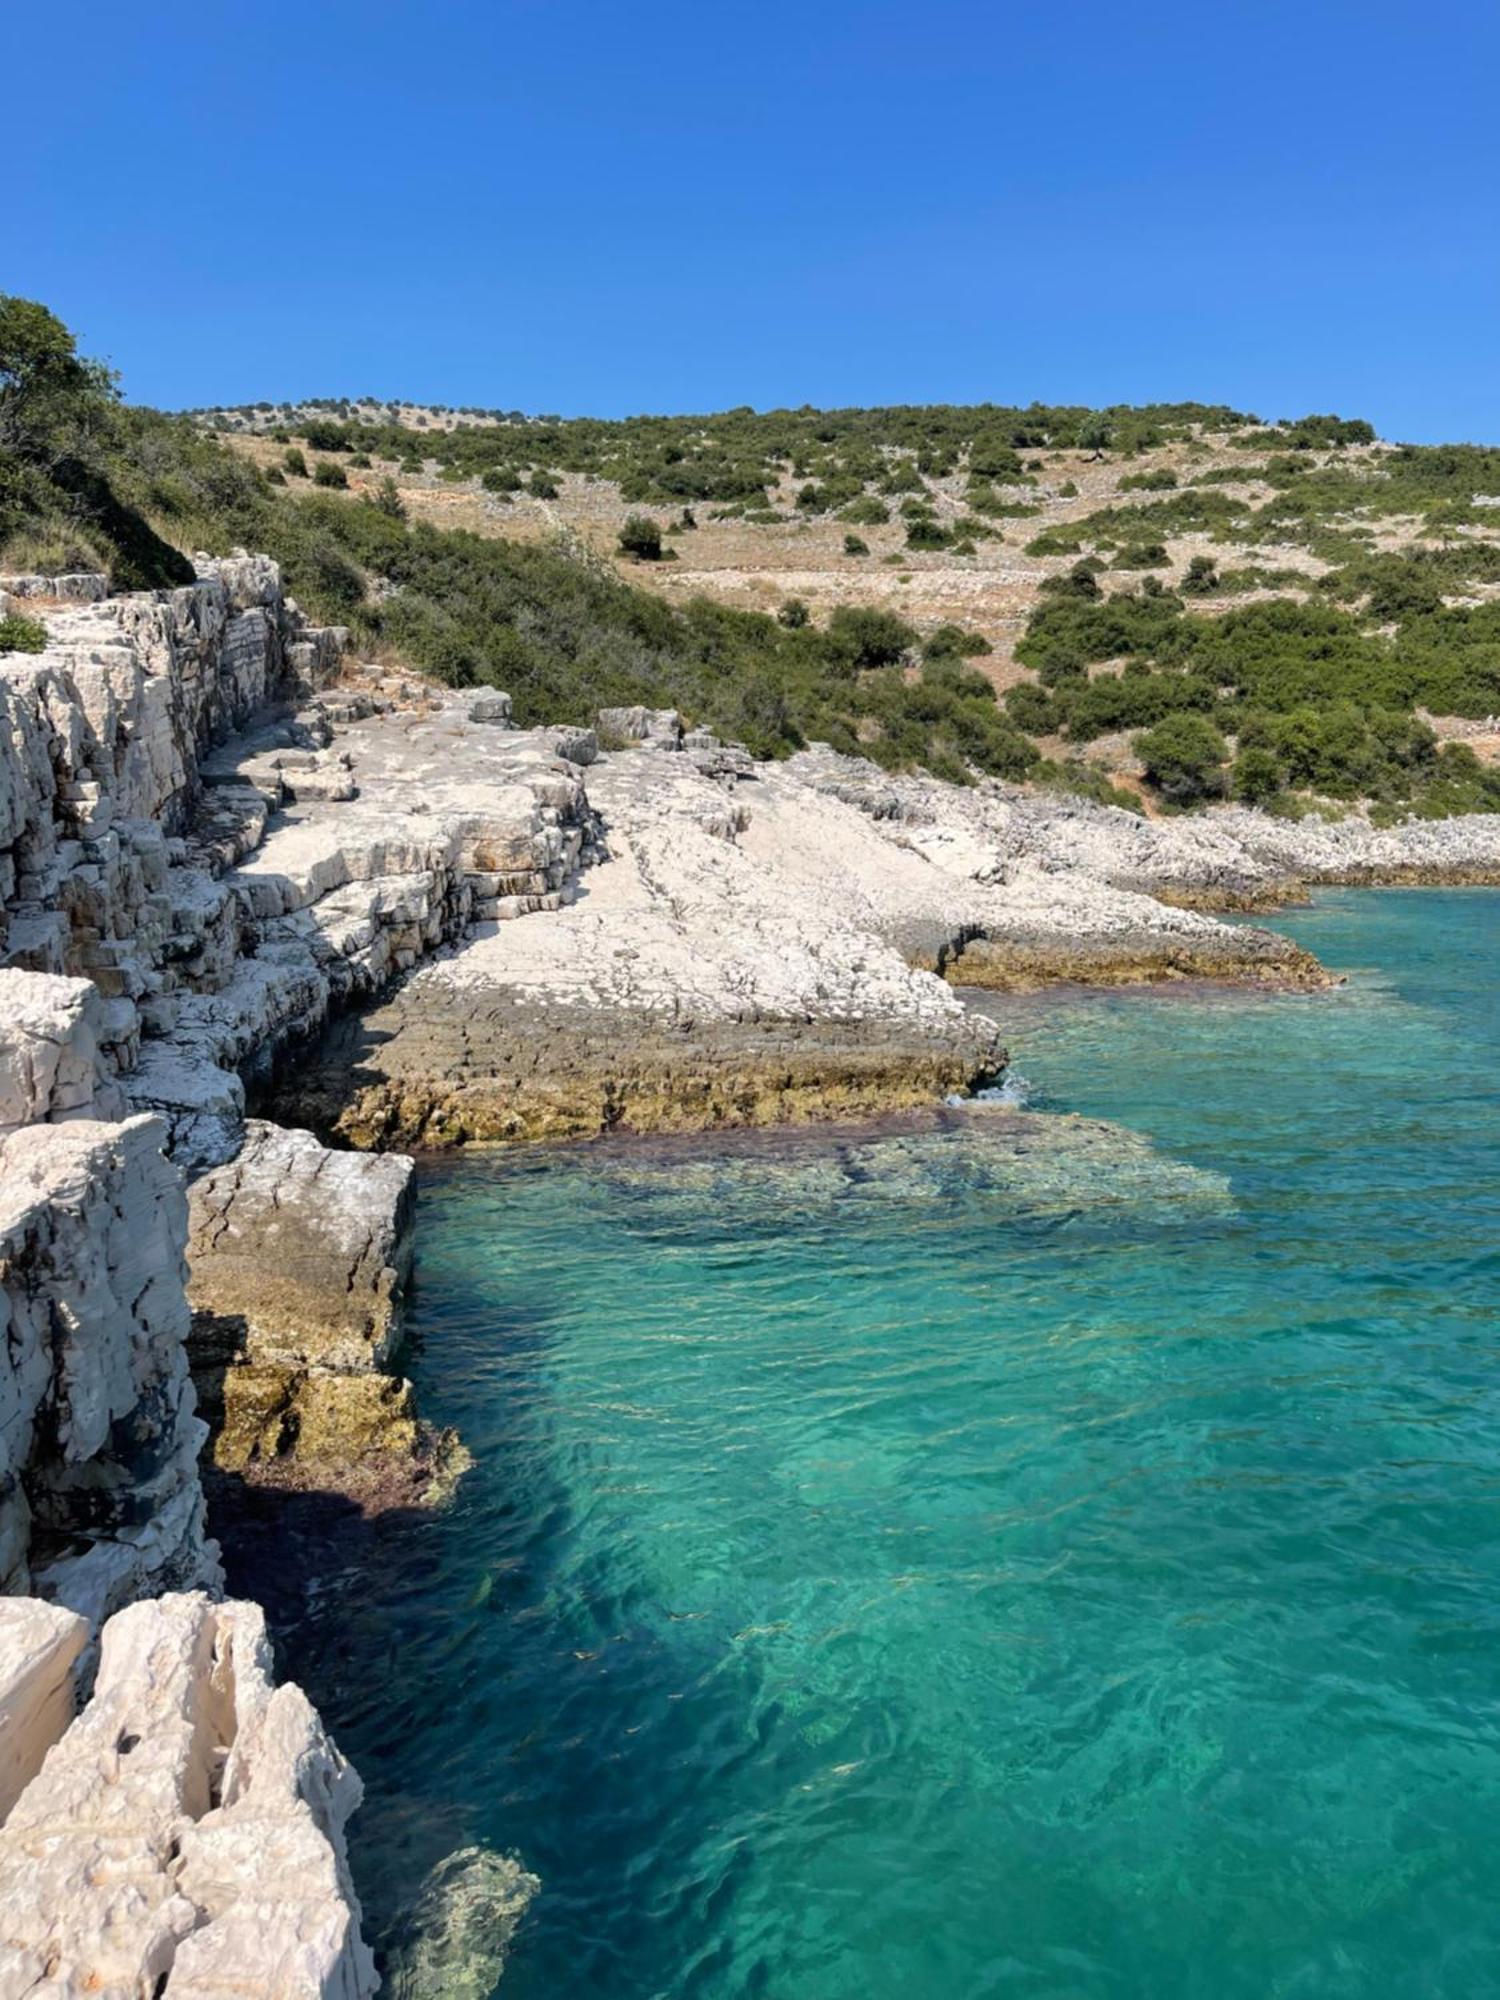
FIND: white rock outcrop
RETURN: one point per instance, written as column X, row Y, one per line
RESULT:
column 100, row 1499
column 39, row 1648
column 184, row 1836
column 298, row 1258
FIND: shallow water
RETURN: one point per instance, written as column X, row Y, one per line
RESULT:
column 1024, row 1558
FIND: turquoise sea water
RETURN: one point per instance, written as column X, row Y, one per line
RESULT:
column 1020, row 1559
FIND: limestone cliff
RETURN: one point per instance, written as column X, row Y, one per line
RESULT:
column 184, row 1835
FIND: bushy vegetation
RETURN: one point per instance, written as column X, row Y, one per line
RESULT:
column 840, row 459
column 1311, row 693
column 19, row 634
column 1325, row 701
column 563, row 633
column 61, row 432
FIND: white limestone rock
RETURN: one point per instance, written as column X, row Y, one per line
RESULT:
column 98, row 1437
column 39, row 1645
column 185, row 1835
column 52, row 1039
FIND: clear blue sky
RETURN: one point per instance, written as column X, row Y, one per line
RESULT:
column 688, row 204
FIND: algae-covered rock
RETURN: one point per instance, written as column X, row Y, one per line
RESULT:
column 298, row 1256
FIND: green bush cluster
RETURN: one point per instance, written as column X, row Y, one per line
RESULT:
column 19, row 634
column 1266, row 701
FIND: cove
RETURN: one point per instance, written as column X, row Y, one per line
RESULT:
column 1055, row 1556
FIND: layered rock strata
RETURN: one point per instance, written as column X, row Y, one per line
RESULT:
column 100, row 1499
column 749, row 952
column 190, row 881
column 184, row 1835
column 299, row 1255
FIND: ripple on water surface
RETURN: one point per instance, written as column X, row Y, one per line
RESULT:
column 1036, row 1554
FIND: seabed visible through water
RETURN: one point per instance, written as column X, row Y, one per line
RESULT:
column 1047, row 1553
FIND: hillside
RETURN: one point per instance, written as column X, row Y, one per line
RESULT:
column 1178, row 599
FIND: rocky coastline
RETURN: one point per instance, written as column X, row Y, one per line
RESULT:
column 266, row 915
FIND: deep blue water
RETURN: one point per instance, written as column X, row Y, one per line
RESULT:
column 1019, row 1559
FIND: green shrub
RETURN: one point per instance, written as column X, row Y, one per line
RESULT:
column 925, row 533
column 641, row 537
column 793, row 614
column 955, row 642
column 1257, row 776
column 1149, row 482
column 294, row 461
column 326, row 473
column 1184, row 758
column 1079, row 581
column 1202, row 578
column 1095, row 434
column 864, row 638
column 855, row 545
column 993, row 456
column 902, row 476
column 865, row 512
column 1032, row 708
column 1085, row 781
column 22, row 635
column 1143, row 555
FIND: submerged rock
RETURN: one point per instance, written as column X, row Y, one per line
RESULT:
column 985, row 1155
column 462, row 1924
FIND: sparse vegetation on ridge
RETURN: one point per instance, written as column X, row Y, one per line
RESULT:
column 1312, row 693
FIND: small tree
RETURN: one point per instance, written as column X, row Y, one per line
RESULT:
column 1256, row 777
column 861, row 637
column 294, row 461
column 388, row 499
column 1079, row 581
column 1202, row 578
column 1184, row 758
column 641, row 537
column 53, row 405
column 1094, row 435
column 794, row 614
